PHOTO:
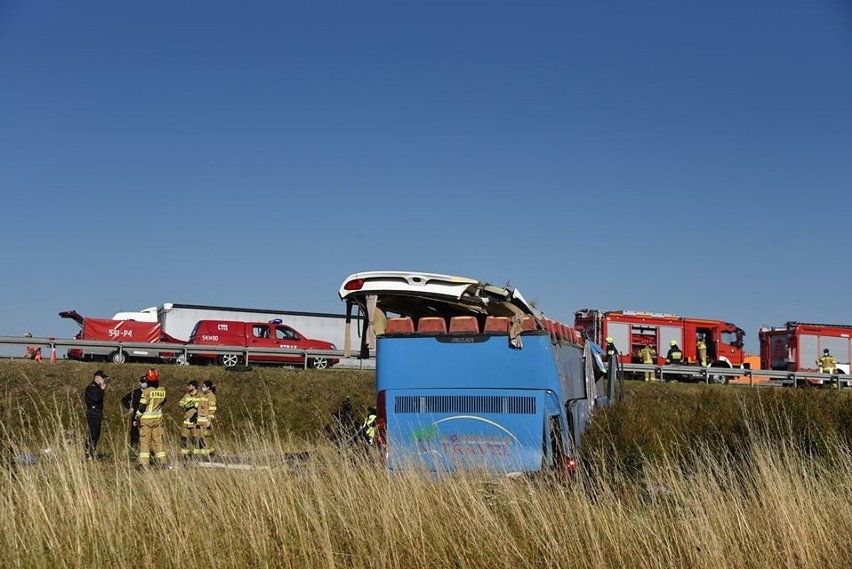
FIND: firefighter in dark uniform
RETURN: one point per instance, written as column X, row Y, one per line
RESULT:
column 675, row 354
column 130, row 402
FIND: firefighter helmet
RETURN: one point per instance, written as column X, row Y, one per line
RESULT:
column 609, row 339
column 673, row 343
column 152, row 375
column 825, row 351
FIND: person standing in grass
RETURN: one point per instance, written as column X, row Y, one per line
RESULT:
column 94, row 398
column 206, row 414
column 130, row 402
column 150, row 415
column 188, row 433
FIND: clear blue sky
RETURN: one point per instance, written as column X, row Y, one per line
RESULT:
column 685, row 157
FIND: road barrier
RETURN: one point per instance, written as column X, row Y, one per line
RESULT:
column 180, row 353
column 752, row 376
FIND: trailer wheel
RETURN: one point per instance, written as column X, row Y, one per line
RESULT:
column 229, row 360
column 117, row 357
column 182, row 360
column 318, row 363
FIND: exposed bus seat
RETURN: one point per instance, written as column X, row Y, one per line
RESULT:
column 528, row 324
column 496, row 325
column 432, row 325
column 464, row 325
column 403, row 325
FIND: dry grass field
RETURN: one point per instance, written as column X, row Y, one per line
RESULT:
column 677, row 476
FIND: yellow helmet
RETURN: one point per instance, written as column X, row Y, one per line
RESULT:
column 673, row 342
column 609, row 339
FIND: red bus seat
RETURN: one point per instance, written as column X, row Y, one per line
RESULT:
column 464, row 325
column 496, row 325
column 432, row 325
column 528, row 324
column 403, row 325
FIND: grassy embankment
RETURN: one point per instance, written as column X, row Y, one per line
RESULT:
column 678, row 476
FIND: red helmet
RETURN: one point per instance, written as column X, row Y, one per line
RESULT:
column 152, row 375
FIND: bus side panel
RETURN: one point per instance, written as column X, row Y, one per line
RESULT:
column 571, row 368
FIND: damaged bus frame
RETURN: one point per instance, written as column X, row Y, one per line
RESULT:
column 471, row 376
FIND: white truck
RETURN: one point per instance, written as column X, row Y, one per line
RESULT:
column 178, row 320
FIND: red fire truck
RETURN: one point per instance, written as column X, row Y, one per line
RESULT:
column 797, row 346
column 631, row 331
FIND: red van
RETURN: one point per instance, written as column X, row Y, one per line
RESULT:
column 272, row 334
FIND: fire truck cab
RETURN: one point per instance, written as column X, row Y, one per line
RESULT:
column 797, row 346
column 631, row 331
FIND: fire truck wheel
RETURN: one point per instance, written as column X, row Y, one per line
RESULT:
column 318, row 363
column 229, row 360
column 117, row 357
column 719, row 379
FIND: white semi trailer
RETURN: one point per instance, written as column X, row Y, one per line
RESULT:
column 178, row 320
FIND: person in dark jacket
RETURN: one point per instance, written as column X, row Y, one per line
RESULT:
column 130, row 403
column 94, row 398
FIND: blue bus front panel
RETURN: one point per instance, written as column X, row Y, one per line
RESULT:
column 449, row 429
column 468, row 401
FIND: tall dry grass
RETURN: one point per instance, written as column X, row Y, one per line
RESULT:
column 772, row 505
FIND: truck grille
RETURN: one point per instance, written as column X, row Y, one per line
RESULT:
column 473, row 404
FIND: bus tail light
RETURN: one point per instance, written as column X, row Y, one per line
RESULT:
column 354, row 284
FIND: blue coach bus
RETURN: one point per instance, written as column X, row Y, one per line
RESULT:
column 471, row 376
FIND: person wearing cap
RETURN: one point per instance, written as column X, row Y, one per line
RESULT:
column 150, row 416
column 206, row 414
column 827, row 363
column 189, row 404
column 93, row 395
column 130, row 403
column 675, row 354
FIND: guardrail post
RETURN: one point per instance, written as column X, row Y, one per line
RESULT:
column 305, row 360
column 706, row 376
column 750, row 378
column 246, row 358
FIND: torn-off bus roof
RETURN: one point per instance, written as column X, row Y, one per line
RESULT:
column 424, row 294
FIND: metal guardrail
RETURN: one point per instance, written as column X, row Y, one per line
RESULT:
column 773, row 377
column 184, row 350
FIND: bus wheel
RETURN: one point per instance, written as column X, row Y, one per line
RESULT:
column 117, row 357
column 229, row 360
column 318, row 363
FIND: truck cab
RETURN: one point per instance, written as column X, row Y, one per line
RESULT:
column 273, row 335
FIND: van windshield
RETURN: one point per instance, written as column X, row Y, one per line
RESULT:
column 194, row 331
